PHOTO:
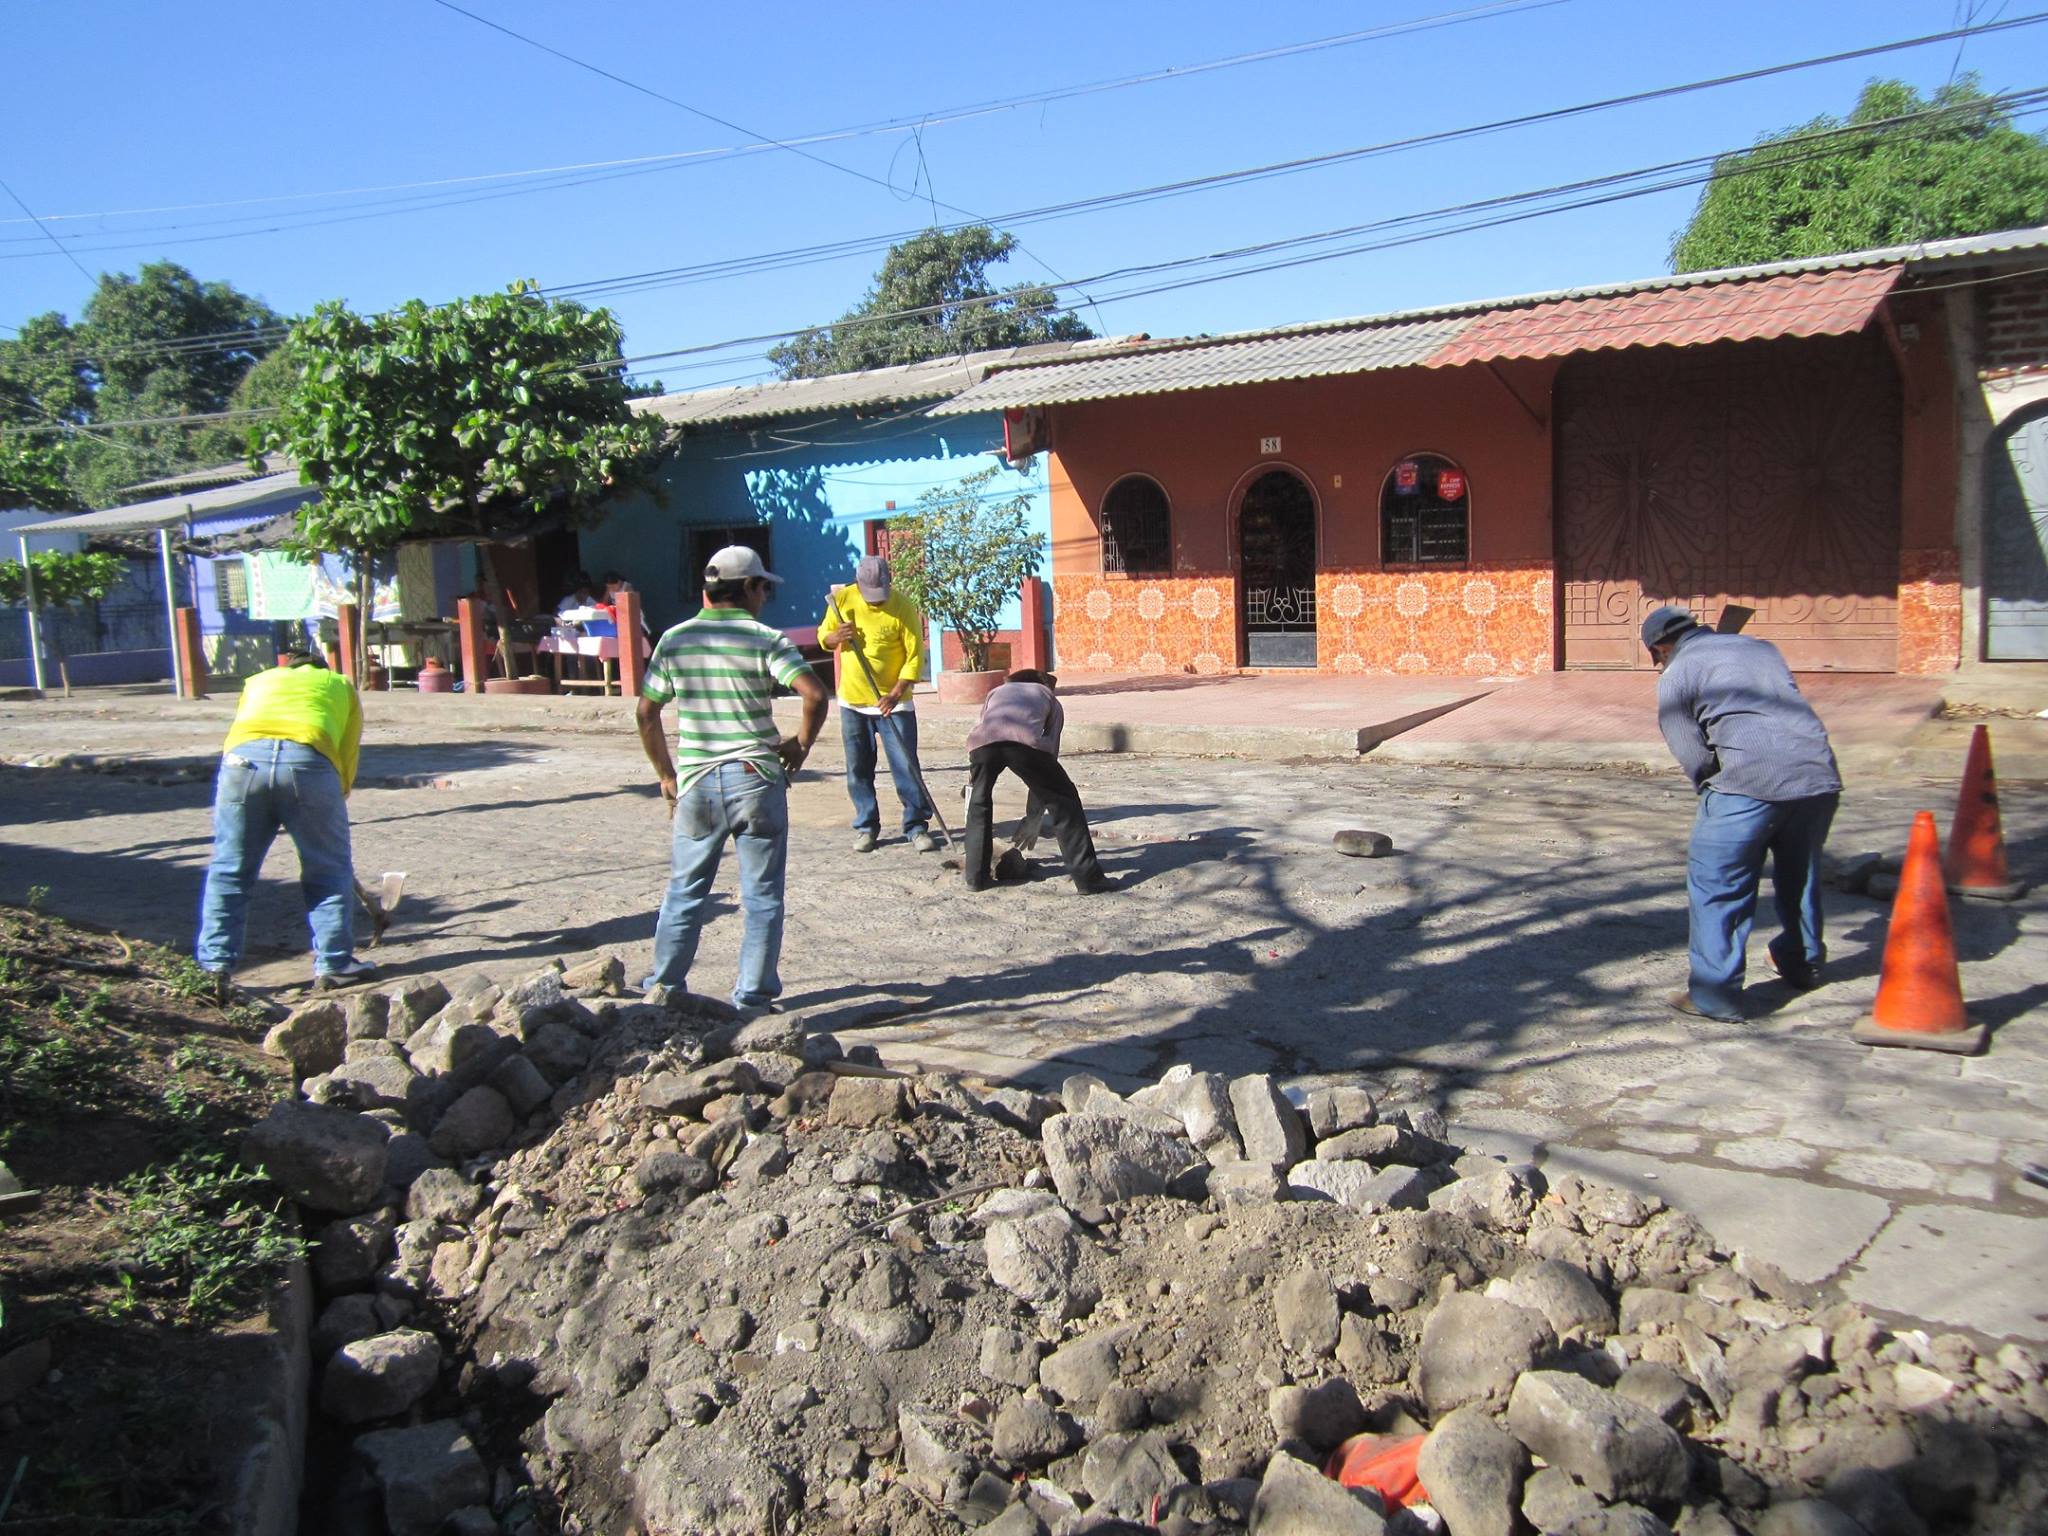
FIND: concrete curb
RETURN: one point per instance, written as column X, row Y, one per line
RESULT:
column 267, row 1476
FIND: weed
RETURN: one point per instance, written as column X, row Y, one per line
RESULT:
column 195, row 1055
column 37, row 895
column 204, row 1233
column 188, row 979
column 43, row 1070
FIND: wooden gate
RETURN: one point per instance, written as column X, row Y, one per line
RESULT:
column 1752, row 477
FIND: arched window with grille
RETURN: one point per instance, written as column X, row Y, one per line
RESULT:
column 1137, row 528
column 1425, row 512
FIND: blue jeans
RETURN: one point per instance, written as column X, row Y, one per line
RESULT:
column 1730, row 837
column 899, row 740
column 737, row 801
column 263, row 786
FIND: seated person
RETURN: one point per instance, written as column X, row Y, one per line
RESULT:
column 1019, row 729
column 581, row 595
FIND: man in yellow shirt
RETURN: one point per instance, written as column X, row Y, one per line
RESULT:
column 881, row 625
column 289, row 762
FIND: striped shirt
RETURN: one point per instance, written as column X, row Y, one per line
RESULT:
column 720, row 670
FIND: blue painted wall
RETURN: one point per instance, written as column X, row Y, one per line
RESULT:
column 814, row 481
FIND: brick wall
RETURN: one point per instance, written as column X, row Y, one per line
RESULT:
column 2012, row 318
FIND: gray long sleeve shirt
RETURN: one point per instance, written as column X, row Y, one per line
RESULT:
column 1026, row 713
column 1737, row 722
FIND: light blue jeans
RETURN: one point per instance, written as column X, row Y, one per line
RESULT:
column 1730, row 837
column 263, row 786
column 737, row 801
column 898, row 731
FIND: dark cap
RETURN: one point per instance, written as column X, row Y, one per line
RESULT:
column 1666, row 624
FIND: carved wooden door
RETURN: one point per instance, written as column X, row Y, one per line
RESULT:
column 1756, row 483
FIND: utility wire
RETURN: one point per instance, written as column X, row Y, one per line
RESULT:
column 16, row 196
column 1493, row 212
column 902, row 124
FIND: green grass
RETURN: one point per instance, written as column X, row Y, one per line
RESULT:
column 202, row 1234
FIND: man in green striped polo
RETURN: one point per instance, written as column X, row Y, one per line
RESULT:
column 728, row 777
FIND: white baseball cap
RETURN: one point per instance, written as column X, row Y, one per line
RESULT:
column 736, row 562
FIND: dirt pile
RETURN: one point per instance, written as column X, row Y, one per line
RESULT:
column 597, row 1265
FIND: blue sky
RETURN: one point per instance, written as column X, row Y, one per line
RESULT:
column 133, row 104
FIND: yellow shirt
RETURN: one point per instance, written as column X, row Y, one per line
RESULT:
column 309, row 705
column 891, row 637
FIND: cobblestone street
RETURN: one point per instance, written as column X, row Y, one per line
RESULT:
column 1508, row 961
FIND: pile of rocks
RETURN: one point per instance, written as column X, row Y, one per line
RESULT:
column 717, row 1277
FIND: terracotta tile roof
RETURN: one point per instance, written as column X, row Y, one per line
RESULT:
column 1827, row 303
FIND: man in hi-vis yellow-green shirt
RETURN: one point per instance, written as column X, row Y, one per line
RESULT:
column 288, row 763
column 870, row 616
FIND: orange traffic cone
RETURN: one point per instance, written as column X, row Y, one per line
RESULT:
column 1919, row 991
column 1974, row 864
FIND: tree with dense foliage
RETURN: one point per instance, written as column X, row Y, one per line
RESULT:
column 62, row 581
column 943, row 274
column 160, row 343
column 1966, row 171
column 472, row 419
column 961, row 554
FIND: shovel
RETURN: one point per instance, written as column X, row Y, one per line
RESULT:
column 381, row 903
column 916, row 769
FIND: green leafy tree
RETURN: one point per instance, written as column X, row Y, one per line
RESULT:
column 465, row 420
column 1965, row 172
column 961, row 554
column 945, row 274
column 62, row 581
column 159, row 343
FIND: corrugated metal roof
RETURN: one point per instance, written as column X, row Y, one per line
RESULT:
column 1835, row 303
column 935, row 379
column 272, row 494
column 218, row 474
column 1255, row 361
column 1036, row 383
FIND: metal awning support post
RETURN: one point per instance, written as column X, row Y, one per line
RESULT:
column 163, row 546
column 35, row 638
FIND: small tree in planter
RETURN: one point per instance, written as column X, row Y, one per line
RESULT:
column 961, row 554
column 62, row 581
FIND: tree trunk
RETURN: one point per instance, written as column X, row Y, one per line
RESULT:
column 494, row 595
column 366, row 590
column 55, row 647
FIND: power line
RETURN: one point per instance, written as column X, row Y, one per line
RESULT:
column 1495, row 212
column 16, row 196
column 901, row 124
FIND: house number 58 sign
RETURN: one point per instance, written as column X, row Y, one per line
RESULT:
column 1269, row 445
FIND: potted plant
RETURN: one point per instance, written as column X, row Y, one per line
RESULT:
column 960, row 555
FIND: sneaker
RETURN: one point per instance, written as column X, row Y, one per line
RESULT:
column 756, row 1010
column 1682, row 1001
column 923, row 841
column 346, row 974
column 864, row 841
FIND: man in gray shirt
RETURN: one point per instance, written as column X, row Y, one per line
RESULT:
column 1767, row 782
column 1019, row 729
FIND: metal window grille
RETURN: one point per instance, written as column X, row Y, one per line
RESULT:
column 1137, row 528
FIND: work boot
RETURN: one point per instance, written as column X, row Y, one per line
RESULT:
column 863, row 841
column 1094, row 884
column 1683, row 1003
column 923, row 841
column 220, row 986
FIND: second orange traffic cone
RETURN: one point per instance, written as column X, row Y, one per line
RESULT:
column 1975, row 861
column 1920, row 991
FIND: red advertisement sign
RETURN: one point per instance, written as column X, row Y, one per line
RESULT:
column 1406, row 475
column 1450, row 483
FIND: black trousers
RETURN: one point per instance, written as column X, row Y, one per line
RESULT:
column 1045, row 778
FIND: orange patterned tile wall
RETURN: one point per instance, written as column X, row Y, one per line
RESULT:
column 1930, row 610
column 1145, row 623
column 1480, row 621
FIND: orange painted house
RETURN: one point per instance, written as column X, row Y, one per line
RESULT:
column 1505, row 488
